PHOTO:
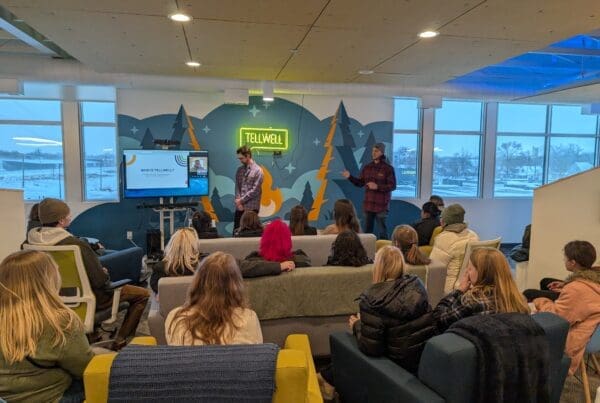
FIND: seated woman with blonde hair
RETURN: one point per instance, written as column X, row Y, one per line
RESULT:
column 393, row 320
column 216, row 310
column 182, row 256
column 487, row 287
column 43, row 347
column 406, row 239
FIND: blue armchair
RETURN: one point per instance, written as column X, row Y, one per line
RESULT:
column 124, row 264
column 447, row 370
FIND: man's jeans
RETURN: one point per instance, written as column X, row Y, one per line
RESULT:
column 371, row 218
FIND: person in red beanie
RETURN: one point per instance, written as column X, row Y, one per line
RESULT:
column 275, row 254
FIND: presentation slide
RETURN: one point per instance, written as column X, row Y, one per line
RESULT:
column 151, row 170
column 165, row 173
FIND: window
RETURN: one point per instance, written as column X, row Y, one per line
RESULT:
column 530, row 134
column 406, row 147
column 457, row 149
column 572, row 142
column 569, row 120
column 519, row 165
column 570, row 155
column 520, row 149
column 99, row 151
column 521, row 118
column 31, row 154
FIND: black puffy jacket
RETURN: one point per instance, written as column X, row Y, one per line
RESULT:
column 395, row 320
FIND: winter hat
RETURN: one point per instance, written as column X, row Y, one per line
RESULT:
column 380, row 147
column 52, row 210
column 453, row 214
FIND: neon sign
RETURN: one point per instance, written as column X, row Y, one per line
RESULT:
column 264, row 138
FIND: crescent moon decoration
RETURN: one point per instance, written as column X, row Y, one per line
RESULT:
column 271, row 198
column 131, row 161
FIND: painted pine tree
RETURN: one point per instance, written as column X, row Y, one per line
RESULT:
column 367, row 157
column 307, row 197
column 148, row 140
column 179, row 128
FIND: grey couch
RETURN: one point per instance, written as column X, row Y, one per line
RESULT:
column 315, row 300
column 447, row 370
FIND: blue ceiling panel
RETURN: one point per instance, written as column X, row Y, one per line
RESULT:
column 569, row 63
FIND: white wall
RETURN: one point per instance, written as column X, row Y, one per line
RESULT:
column 12, row 217
column 563, row 211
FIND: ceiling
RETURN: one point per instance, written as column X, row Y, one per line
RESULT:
column 9, row 44
column 323, row 41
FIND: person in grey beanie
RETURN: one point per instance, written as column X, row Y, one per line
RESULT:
column 449, row 246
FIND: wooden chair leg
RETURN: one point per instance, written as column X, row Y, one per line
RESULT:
column 596, row 364
column 585, row 382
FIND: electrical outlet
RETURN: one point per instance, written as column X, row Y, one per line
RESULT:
column 130, row 235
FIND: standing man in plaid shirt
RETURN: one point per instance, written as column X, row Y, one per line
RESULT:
column 379, row 179
column 248, row 185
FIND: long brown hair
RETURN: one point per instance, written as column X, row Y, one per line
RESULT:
column 493, row 276
column 298, row 220
column 406, row 239
column 30, row 305
column 345, row 216
column 216, row 291
column 250, row 221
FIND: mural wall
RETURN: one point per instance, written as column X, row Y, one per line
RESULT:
column 307, row 173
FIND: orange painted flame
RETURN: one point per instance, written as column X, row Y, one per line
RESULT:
column 271, row 199
column 205, row 200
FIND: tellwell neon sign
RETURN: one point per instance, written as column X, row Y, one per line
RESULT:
column 264, row 138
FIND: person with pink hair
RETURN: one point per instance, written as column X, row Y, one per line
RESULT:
column 275, row 254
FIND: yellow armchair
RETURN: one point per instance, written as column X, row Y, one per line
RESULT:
column 426, row 249
column 295, row 375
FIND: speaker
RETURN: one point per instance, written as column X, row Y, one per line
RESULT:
column 153, row 250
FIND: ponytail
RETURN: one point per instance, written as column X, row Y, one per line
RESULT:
column 414, row 256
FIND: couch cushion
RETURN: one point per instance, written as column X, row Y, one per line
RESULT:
column 308, row 291
column 317, row 247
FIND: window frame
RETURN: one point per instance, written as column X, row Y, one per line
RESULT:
column 419, row 152
column 83, row 167
column 60, row 123
column 482, row 142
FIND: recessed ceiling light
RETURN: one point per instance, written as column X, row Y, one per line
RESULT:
column 365, row 72
column 193, row 64
column 180, row 17
column 428, row 34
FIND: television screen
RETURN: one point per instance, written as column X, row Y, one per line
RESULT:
column 165, row 173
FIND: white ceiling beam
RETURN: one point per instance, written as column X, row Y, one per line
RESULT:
column 22, row 36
